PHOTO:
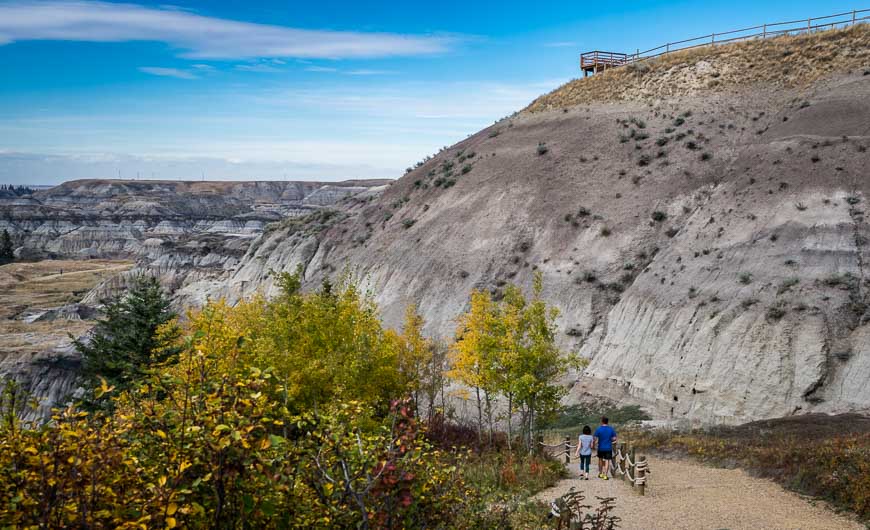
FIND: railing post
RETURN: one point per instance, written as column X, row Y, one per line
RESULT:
column 641, row 474
column 567, row 450
column 622, row 461
column 633, row 465
column 853, row 16
column 667, row 47
column 764, row 32
column 809, row 24
column 713, row 38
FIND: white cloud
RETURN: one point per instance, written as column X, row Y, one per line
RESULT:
column 199, row 36
column 167, row 72
column 41, row 168
column 369, row 72
column 320, row 69
column 561, row 44
column 257, row 67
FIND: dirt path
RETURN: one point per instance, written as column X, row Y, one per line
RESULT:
column 686, row 495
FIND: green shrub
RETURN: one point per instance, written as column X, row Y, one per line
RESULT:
column 658, row 216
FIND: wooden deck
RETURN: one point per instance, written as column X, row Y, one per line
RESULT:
column 598, row 61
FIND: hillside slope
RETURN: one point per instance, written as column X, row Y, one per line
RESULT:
column 705, row 244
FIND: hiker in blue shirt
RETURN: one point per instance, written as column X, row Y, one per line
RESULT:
column 604, row 437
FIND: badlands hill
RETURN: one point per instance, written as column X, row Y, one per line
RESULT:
column 699, row 221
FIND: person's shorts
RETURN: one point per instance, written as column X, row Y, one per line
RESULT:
column 605, row 455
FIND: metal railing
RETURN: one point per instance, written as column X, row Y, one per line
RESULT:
column 792, row 27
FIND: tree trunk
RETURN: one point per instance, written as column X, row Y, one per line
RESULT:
column 479, row 416
column 509, row 418
column 488, row 413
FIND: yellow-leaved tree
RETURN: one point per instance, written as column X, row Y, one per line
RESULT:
column 507, row 348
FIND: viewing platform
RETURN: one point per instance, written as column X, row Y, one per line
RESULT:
column 598, row 61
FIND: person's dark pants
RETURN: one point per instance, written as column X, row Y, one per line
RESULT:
column 584, row 463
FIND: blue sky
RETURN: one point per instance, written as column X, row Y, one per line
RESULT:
column 300, row 90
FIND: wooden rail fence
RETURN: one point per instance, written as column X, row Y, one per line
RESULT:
column 626, row 464
column 599, row 60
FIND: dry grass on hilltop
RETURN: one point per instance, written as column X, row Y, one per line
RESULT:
column 33, row 286
column 787, row 61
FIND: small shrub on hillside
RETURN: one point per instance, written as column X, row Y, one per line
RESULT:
column 691, row 145
column 661, row 142
column 678, row 121
column 800, row 206
column 658, row 216
column 466, row 168
column 744, row 278
column 542, row 149
column 787, row 284
column 408, row 223
column 747, row 303
column 605, row 232
column 853, row 200
column 644, row 160
column 774, row 312
column 705, row 156
column 583, row 212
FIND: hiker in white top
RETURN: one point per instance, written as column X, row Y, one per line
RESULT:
column 584, row 451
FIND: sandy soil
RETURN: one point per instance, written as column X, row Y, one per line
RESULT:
column 685, row 495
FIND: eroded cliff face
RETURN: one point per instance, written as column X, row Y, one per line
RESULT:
column 708, row 253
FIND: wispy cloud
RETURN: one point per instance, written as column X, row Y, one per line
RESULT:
column 200, row 36
column 258, row 67
column 369, row 72
column 561, row 44
column 167, row 72
column 320, row 69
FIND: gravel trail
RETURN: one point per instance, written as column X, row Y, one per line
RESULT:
column 686, row 495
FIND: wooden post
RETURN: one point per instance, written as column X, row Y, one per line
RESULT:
column 641, row 474
column 540, row 448
column 622, row 460
column 567, row 449
column 853, row 16
column 764, row 32
column 712, row 38
column 632, row 466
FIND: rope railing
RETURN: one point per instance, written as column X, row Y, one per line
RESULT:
column 625, row 465
column 773, row 29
